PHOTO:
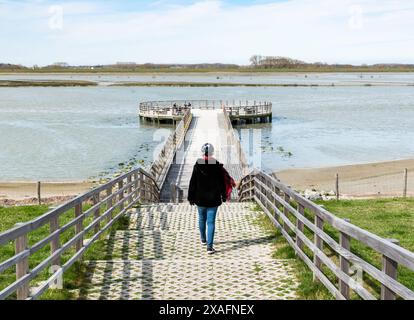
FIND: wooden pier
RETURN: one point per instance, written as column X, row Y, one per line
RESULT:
column 158, row 255
column 239, row 112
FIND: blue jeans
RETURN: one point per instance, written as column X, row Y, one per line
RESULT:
column 207, row 216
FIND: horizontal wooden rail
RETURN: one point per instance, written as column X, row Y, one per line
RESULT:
column 235, row 142
column 68, row 241
column 303, row 224
column 161, row 165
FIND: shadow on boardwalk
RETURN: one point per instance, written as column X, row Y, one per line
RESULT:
column 160, row 257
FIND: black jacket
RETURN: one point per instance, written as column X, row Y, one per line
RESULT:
column 207, row 186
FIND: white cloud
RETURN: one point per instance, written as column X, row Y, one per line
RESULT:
column 346, row 31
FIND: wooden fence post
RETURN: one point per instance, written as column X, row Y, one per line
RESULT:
column 286, row 212
column 22, row 267
column 135, row 186
column 141, row 188
column 300, row 225
column 405, row 183
column 96, row 199
column 344, row 242
column 337, row 186
column 109, row 202
column 129, row 180
column 79, row 226
column 55, row 243
column 121, row 194
column 318, row 243
column 39, row 198
column 389, row 267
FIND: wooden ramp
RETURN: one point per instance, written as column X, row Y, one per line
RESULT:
column 206, row 126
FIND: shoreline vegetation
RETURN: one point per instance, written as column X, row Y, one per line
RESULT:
column 46, row 83
column 81, row 83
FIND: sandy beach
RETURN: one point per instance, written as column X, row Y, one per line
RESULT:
column 361, row 180
column 12, row 193
column 355, row 181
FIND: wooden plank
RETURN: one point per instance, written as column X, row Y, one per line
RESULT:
column 109, row 201
column 390, row 268
column 55, row 242
column 300, row 226
column 22, row 267
column 97, row 211
column 121, row 194
column 286, row 211
column 79, row 226
column 344, row 242
column 318, row 243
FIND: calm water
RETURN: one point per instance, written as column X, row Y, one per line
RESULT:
column 292, row 78
column 76, row 133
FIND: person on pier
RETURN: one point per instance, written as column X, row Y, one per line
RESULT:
column 210, row 186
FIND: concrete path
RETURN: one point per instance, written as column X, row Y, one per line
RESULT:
column 160, row 257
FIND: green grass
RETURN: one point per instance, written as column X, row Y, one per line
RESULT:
column 388, row 218
column 74, row 277
column 308, row 289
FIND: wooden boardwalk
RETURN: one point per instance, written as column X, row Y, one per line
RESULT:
column 206, row 126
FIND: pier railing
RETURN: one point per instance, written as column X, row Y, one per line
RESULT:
column 162, row 163
column 242, row 166
column 329, row 245
column 60, row 237
column 179, row 107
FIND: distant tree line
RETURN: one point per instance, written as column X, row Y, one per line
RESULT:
column 257, row 62
column 275, row 62
column 278, row 62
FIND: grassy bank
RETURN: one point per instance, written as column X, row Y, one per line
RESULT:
column 74, row 277
column 388, row 218
column 49, row 83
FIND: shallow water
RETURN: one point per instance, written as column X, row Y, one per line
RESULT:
column 271, row 78
column 76, row 133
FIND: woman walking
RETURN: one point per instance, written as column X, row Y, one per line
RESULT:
column 208, row 190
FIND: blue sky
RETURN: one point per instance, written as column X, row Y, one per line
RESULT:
column 190, row 31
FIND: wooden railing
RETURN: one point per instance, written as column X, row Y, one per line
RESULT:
column 179, row 107
column 67, row 232
column 323, row 242
column 160, row 166
column 242, row 163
